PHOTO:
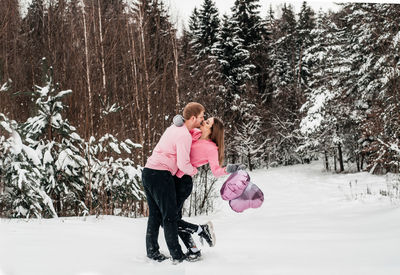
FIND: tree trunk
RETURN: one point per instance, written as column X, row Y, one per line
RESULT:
column 358, row 162
column 340, row 158
column 88, row 200
column 89, row 115
column 176, row 71
column 146, row 76
column 326, row 161
column 136, row 89
column 249, row 160
column 103, row 70
column 334, row 161
column 362, row 162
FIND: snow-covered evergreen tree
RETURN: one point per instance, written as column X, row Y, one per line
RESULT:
column 286, row 96
column 234, row 61
column 305, row 25
column 205, row 29
column 255, row 38
column 264, row 57
column 22, row 174
column 371, row 84
column 352, row 91
column 318, row 124
column 285, row 55
column 327, row 115
column 111, row 182
column 235, row 74
column 59, row 144
column 245, row 14
column 194, row 30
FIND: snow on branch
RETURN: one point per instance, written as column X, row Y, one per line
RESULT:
column 111, row 109
column 392, row 146
column 6, row 86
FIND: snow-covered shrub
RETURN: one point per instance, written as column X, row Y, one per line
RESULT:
column 22, row 173
column 370, row 191
column 204, row 193
column 392, row 187
column 249, row 144
column 47, row 169
column 113, row 183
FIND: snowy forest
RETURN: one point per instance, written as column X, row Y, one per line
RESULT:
column 87, row 87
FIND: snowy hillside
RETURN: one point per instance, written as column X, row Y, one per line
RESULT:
column 311, row 222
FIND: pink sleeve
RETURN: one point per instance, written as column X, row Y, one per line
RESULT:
column 183, row 156
column 179, row 174
column 214, row 163
column 196, row 134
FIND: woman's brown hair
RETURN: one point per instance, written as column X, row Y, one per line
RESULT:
column 217, row 136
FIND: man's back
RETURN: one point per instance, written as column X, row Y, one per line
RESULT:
column 173, row 152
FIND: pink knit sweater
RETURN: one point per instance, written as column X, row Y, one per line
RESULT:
column 203, row 152
column 172, row 152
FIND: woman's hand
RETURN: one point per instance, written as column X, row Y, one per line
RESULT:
column 178, row 120
column 231, row 168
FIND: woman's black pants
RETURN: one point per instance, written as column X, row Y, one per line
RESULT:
column 183, row 187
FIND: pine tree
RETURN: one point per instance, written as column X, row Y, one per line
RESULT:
column 318, row 124
column 252, row 31
column 59, row 144
column 269, row 55
column 245, row 14
column 154, row 62
column 285, row 55
column 346, row 108
column 194, row 30
column 284, row 112
column 13, row 58
column 305, row 25
column 22, row 172
column 234, row 60
column 370, row 84
column 6, row 86
column 239, row 108
column 113, row 182
column 327, row 115
column 205, row 34
column 203, row 31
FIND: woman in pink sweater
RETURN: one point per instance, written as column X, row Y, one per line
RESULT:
column 207, row 147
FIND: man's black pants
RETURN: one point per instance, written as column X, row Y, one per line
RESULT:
column 159, row 187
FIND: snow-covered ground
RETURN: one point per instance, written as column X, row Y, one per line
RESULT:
column 311, row 222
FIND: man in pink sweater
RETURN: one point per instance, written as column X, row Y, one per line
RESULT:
column 170, row 154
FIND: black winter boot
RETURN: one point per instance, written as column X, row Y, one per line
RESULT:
column 193, row 256
column 208, row 234
column 157, row 257
column 179, row 260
